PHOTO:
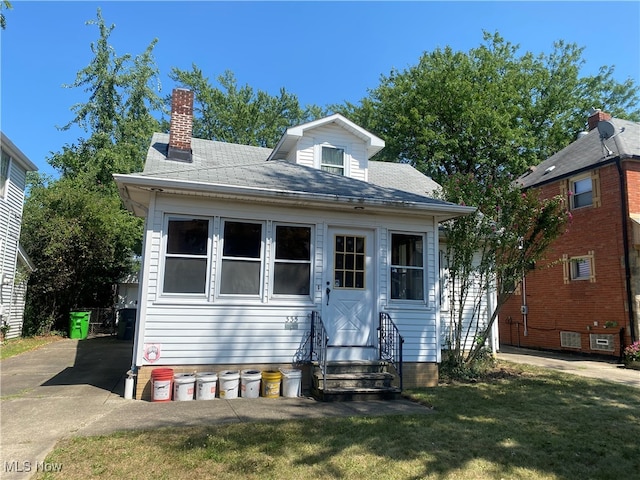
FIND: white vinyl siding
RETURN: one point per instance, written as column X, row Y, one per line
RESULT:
column 11, row 205
column 270, row 329
column 309, row 150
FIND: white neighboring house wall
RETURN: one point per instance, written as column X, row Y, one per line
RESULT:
column 472, row 321
column 14, row 168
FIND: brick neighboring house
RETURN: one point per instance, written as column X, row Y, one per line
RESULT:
column 585, row 295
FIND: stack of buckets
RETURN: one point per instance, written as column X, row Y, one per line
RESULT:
column 184, row 385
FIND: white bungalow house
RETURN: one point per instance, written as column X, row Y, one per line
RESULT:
column 14, row 263
column 262, row 258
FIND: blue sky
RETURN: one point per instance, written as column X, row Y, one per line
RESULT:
column 324, row 52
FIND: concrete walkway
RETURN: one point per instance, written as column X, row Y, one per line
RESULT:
column 610, row 371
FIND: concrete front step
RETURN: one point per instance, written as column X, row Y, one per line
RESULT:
column 353, row 380
column 362, row 366
column 356, row 394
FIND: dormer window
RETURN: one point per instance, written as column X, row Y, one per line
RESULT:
column 332, row 160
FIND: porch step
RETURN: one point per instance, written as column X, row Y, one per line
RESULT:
column 354, row 381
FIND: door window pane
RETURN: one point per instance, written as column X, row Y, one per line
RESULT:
column 349, row 262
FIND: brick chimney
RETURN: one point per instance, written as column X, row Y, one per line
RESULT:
column 596, row 116
column 181, row 126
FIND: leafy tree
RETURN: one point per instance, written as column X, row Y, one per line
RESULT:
column 230, row 113
column 489, row 111
column 78, row 239
column 3, row 21
column 490, row 251
column 473, row 122
column 76, row 230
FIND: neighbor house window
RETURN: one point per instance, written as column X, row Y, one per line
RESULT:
column 407, row 267
column 241, row 258
column 187, row 256
column 582, row 193
column 4, row 173
column 332, row 160
column 579, row 268
column 292, row 264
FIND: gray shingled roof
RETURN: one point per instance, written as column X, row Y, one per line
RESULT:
column 587, row 153
column 219, row 163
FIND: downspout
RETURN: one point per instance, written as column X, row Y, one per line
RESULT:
column 625, row 244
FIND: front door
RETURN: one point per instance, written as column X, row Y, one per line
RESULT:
column 348, row 307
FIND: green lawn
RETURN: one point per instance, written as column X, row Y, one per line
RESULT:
column 519, row 423
column 16, row 346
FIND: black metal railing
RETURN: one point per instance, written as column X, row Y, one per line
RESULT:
column 390, row 344
column 319, row 342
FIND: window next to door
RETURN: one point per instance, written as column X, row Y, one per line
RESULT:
column 407, row 266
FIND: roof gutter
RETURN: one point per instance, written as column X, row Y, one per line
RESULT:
column 442, row 211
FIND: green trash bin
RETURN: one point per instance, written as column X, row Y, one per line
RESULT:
column 79, row 324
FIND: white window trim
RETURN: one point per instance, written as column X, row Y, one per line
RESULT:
column 272, row 262
column 425, row 272
column 317, row 156
column 163, row 256
column 255, row 298
column 4, row 189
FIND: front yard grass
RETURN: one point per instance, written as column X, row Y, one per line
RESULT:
column 518, row 423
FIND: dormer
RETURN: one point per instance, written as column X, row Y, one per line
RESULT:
column 334, row 144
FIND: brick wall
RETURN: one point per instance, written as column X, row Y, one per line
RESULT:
column 581, row 306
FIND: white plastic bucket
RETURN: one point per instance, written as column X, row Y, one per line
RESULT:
column 250, row 383
column 183, row 386
column 206, row 383
column 291, row 382
column 229, row 382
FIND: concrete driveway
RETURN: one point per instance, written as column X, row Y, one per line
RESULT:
column 53, row 392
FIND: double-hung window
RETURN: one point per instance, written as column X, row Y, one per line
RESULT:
column 332, row 160
column 407, row 267
column 187, row 256
column 292, row 263
column 241, row 267
column 582, row 193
